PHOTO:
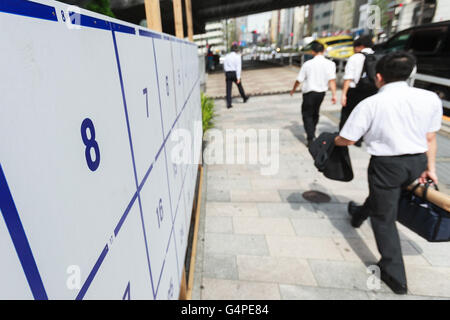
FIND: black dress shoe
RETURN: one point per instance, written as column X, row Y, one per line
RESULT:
column 229, row 107
column 353, row 210
column 246, row 99
column 394, row 285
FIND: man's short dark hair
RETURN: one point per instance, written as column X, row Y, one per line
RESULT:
column 364, row 40
column 234, row 47
column 317, row 47
column 396, row 66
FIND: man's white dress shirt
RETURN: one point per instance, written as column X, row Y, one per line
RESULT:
column 315, row 74
column 355, row 65
column 233, row 63
column 395, row 121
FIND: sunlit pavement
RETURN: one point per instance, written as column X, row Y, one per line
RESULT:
column 260, row 239
column 255, row 82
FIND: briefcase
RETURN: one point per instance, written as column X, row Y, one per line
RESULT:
column 424, row 217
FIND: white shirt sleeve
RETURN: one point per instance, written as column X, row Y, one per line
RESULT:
column 354, row 67
column 436, row 120
column 238, row 66
column 350, row 68
column 302, row 74
column 358, row 123
column 332, row 71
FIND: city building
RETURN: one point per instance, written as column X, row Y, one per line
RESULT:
column 214, row 37
column 299, row 26
column 322, row 18
column 333, row 18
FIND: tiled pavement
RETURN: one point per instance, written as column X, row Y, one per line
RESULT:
column 260, row 239
column 255, row 82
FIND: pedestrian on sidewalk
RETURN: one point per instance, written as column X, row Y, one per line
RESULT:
column 316, row 75
column 357, row 84
column 399, row 126
column 233, row 67
column 210, row 59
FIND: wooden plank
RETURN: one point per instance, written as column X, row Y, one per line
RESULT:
column 190, row 26
column 153, row 15
column 190, row 283
column 178, row 18
column 183, row 286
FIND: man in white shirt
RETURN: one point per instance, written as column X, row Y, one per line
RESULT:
column 232, row 66
column 354, row 70
column 399, row 126
column 316, row 75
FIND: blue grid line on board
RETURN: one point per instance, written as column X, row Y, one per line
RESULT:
column 28, row 9
column 172, row 231
column 97, row 23
column 173, row 78
column 99, row 261
column 133, row 158
column 20, row 240
column 45, row 12
column 127, row 210
column 38, row 10
column 92, row 274
column 164, row 143
column 149, row 34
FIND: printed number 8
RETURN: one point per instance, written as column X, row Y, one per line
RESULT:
column 90, row 143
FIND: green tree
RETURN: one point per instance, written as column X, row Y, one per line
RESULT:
column 100, row 6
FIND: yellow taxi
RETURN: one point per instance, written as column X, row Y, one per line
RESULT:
column 336, row 47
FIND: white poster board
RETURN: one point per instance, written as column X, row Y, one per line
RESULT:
column 92, row 206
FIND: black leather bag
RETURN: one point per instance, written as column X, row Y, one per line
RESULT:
column 423, row 217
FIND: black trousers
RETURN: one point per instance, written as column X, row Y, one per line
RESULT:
column 310, row 112
column 354, row 97
column 387, row 177
column 230, row 77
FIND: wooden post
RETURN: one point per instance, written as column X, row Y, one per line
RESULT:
column 190, row 282
column 183, row 286
column 153, row 15
column 190, row 26
column 178, row 18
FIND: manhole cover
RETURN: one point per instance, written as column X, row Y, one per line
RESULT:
column 316, row 196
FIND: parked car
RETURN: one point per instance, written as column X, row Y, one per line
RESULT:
column 430, row 43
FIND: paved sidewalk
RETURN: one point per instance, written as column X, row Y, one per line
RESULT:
column 255, row 82
column 260, row 239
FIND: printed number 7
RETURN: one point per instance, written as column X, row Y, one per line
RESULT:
column 146, row 98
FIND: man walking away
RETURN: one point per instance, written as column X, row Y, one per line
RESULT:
column 359, row 78
column 399, row 126
column 316, row 75
column 232, row 66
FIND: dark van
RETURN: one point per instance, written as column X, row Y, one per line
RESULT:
column 430, row 43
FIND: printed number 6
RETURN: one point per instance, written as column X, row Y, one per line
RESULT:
column 90, row 143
